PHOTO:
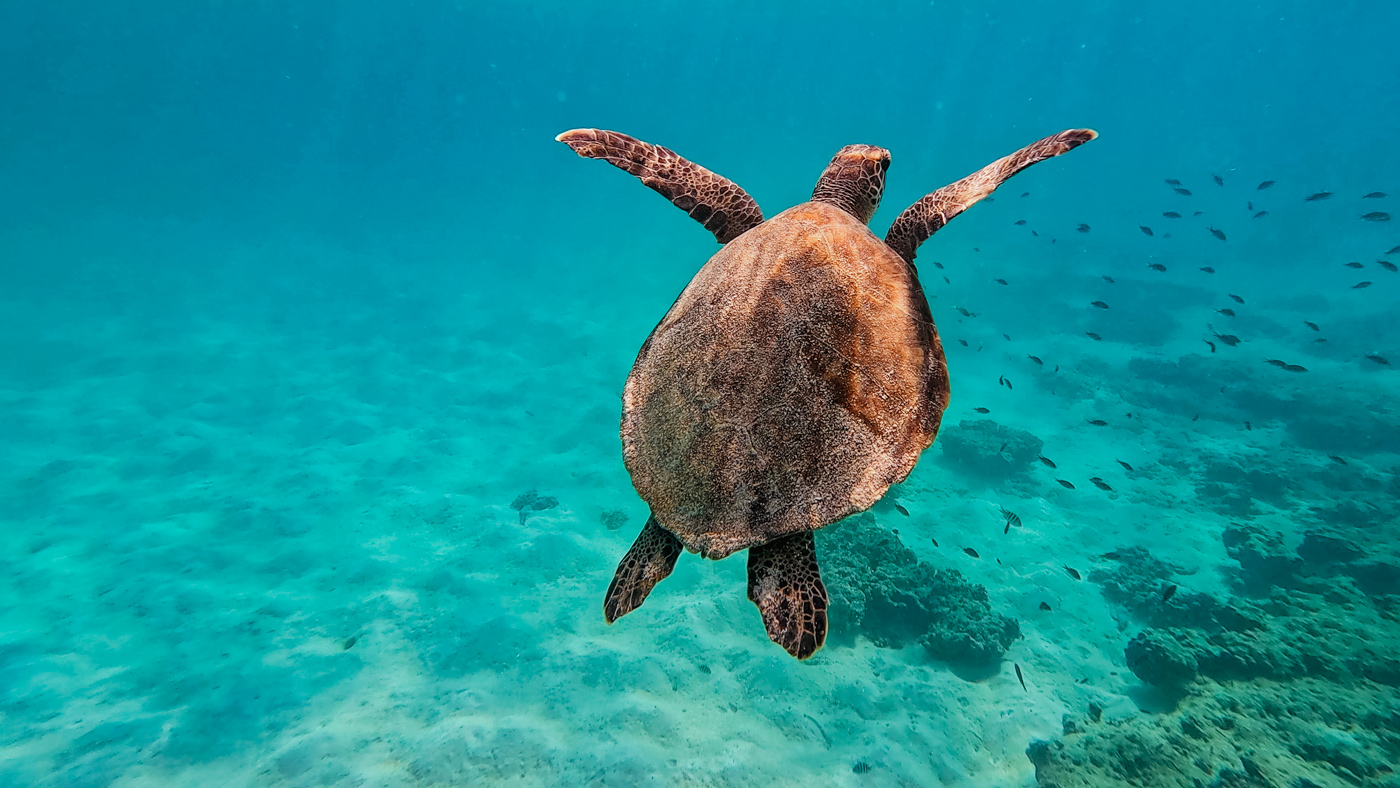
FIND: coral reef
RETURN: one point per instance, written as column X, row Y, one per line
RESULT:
column 990, row 450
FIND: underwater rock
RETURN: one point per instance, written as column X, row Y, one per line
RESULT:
column 1164, row 658
column 988, row 449
column 1264, row 560
column 1320, row 547
column 613, row 519
column 880, row 589
column 532, row 502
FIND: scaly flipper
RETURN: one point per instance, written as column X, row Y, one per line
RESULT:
column 927, row 216
column 650, row 560
column 712, row 200
column 786, row 584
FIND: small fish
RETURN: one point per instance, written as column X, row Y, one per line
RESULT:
column 935, row 541
column 1037, row 361
column 1393, row 250
column 1212, row 344
column 1266, row 184
column 1045, row 606
column 947, row 281
column 1218, row 180
column 1007, row 529
column 349, row 643
column 1020, row 222
column 1171, row 214
column 1098, row 422
column 1320, row 339
column 1083, row 228
column 902, row 510
column 1207, row 269
column 1047, row 461
column 1318, row 196
column 1025, row 194
column 1112, row 556
column 1182, row 192
column 1261, row 214
column 1145, row 230
column 1356, row 265
column 1378, row 358
column 1169, row 592
column 1173, row 182
column 1229, row 339
column 1065, row 484
column 1198, row 213
column 1249, row 206
column 1000, row 281
column 937, row 265
column 1074, row 573
column 1276, row 362
column 1311, row 325
column 963, row 342
column 1011, row 517
column 1093, row 336
column 1387, row 265
column 1294, row 368
column 1361, row 285
column 1373, row 196
column 1157, row 267
column 1099, row 304
column 1125, row 465
column 1107, row 278
column 1238, row 300
column 971, row 552
column 1019, row 678
column 964, row 312
column 982, row 410
column 1376, row 216
column 1008, row 386
column 1336, row 459
column 1217, row 233
column 1101, row 484
column 1249, row 427
column 1226, row 312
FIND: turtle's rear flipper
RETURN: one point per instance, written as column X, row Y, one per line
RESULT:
column 650, row 560
column 786, row 584
column 712, row 200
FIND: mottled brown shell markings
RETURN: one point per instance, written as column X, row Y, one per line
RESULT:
column 854, row 181
column 927, row 216
column 795, row 379
column 713, row 200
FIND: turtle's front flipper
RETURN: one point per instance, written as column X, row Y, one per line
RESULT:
column 927, row 216
column 712, row 200
column 650, row 560
column 786, row 584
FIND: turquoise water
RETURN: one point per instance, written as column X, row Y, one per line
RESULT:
column 297, row 301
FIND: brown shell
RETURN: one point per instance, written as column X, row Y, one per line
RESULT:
column 796, row 378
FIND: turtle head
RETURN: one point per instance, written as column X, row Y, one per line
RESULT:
column 854, row 181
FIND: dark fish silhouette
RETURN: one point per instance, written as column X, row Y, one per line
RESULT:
column 1249, row 206
column 964, row 312
column 982, row 410
column 1261, row 214
column 1373, row 196
column 1182, row 192
column 1101, row 484
column 999, row 281
column 1098, row 422
column 1249, row 426
column 1047, row 461
column 1294, row 368
column 1083, row 228
column 1008, row 386
column 1173, row 182
column 1037, row 361
column 1169, row 592
column 1276, row 362
column 935, row 541
column 1336, row 459
column 1226, row 312
column 1378, row 358
column 1311, row 325
column 971, row 552
column 1145, row 230
column 1074, row 573
column 1229, row 339
column 1018, row 677
column 1065, row 484
column 1207, row 269
column 1356, row 265
column 1125, row 465
column 1198, row 213
column 1266, row 184
column 1238, row 300
column 1376, row 216
column 1113, row 555
column 1218, row 180
column 1320, row 339
column 1093, row 336
column 902, row 510
column 1025, row 194
column 1361, row 285
column 1393, row 250
column 1171, row 214
column 1099, row 304
column 1107, row 278
column 1011, row 517
column 1157, row 267
column 1387, row 265
column 1217, row 233
column 1045, row 606
column 1318, row 196
column 937, row 265
column 963, row 342
column 1020, row 222
column 1212, row 344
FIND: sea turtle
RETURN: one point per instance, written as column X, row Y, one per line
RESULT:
column 795, row 379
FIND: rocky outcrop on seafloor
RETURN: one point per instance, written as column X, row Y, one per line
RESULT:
column 881, row 590
column 991, row 451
